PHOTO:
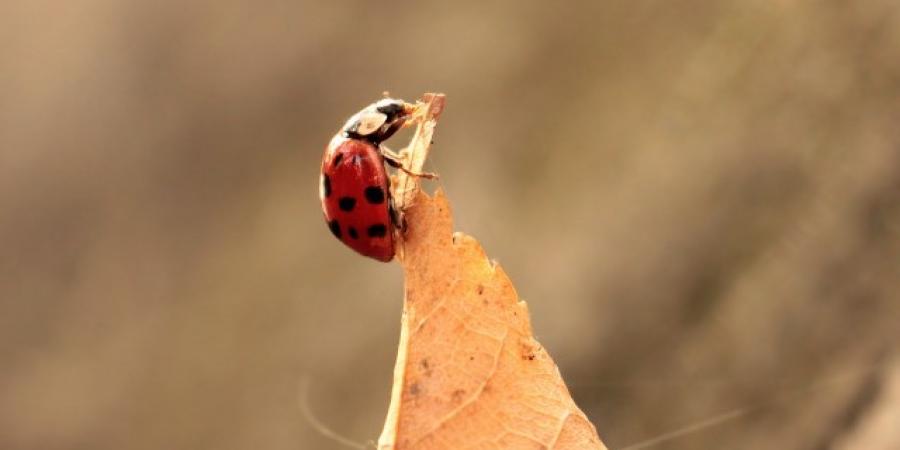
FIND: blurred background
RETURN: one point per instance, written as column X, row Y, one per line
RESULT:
column 699, row 201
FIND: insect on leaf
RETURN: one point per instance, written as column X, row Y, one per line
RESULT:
column 469, row 373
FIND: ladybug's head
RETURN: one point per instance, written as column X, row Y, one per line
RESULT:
column 378, row 121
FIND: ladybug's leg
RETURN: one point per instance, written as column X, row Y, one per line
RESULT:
column 399, row 165
column 396, row 216
column 388, row 153
column 394, row 212
column 396, row 161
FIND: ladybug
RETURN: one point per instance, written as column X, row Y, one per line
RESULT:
column 354, row 185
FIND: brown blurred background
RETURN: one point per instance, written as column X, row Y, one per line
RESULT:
column 699, row 201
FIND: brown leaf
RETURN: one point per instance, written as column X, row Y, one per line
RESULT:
column 469, row 372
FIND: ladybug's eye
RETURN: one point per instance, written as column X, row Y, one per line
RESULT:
column 391, row 108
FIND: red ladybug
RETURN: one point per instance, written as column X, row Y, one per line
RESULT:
column 354, row 185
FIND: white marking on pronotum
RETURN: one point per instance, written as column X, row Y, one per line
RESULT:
column 369, row 122
column 365, row 122
column 333, row 144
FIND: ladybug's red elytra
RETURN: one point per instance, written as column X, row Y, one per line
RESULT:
column 355, row 186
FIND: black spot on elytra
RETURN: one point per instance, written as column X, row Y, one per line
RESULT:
column 352, row 232
column 335, row 228
column 337, row 159
column 326, row 185
column 377, row 230
column 347, row 203
column 374, row 195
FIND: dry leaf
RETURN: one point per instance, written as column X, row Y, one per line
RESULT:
column 469, row 373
